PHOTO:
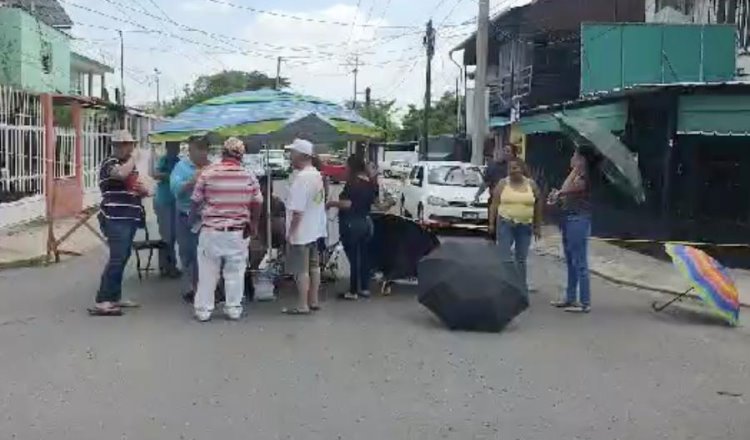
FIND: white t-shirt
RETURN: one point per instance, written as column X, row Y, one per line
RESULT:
column 307, row 195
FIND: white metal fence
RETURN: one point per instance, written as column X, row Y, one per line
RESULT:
column 65, row 158
column 22, row 163
column 97, row 127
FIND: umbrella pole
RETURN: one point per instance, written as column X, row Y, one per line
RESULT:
column 269, row 182
column 658, row 308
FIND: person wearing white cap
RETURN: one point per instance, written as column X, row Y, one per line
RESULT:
column 306, row 223
column 120, row 216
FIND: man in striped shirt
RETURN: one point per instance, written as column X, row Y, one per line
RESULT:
column 229, row 199
column 120, row 216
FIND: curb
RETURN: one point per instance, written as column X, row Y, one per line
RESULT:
column 39, row 261
column 630, row 283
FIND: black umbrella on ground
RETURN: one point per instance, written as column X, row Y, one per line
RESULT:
column 397, row 246
column 469, row 287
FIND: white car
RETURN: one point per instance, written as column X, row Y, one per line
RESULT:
column 397, row 169
column 254, row 164
column 442, row 194
column 277, row 162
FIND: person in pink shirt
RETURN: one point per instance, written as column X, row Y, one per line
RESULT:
column 229, row 200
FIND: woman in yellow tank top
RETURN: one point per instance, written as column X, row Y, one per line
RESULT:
column 516, row 215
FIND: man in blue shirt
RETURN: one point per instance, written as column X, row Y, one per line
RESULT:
column 181, row 183
column 164, row 207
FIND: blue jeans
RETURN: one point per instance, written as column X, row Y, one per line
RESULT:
column 516, row 236
column 355, row 237
column 575, row 235
column 166, row 217
column 119, row 234
column 187, row 240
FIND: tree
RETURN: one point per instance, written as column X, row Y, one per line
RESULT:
column 222, row 83
column 442, row 119
column 382, row 114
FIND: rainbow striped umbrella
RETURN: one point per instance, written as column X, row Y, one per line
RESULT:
column 709, row 278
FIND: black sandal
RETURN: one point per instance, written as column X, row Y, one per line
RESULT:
column 99, row 311
column 314, row 308
column 295, row 311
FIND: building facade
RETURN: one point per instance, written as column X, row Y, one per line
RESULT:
column 35, row 55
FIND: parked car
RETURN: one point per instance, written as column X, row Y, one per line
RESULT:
column 277, row 162
column 334, row 169
column 442, row 194
column 397, row 169
column 254, row 164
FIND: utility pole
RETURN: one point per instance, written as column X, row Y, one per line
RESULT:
column 429, row 43
column 480, row 85
column 158, row 94
column 355, row 72
column 122, row 67
column 278, row 73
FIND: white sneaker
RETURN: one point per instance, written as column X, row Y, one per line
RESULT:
column 233, row 314
column 202, row 315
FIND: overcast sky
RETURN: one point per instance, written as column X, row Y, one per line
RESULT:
column 188, row 38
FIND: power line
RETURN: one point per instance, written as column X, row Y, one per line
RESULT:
column 222, row 38
column 306, row 19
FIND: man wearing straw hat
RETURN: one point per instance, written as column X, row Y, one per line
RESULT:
column 229, row 199
column 120, row 216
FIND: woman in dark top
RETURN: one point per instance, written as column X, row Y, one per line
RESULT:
column 355, row 225
column 574, row 197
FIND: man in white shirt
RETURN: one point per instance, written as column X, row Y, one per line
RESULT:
column 305, row 224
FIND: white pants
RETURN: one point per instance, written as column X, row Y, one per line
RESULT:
column 215, row 247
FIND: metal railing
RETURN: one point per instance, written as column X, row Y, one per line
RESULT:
column 22, row 145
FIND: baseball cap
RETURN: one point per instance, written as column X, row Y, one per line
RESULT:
column 301, row 146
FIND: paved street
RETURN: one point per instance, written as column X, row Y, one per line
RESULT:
column 380, row 369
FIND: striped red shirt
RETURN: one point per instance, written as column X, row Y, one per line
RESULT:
column 226, row 190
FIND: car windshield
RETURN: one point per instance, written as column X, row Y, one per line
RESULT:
column 454, row 175
column 276, row 154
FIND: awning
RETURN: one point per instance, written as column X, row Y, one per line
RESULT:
column 714, row 115
column 499, row 121
column 610, row 116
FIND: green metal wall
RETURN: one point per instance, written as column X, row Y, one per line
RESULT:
column 718, row 115
column 22, row 39
column 616, row 56
column 10, row 47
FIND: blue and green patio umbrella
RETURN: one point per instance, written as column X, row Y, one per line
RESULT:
column 266, row 115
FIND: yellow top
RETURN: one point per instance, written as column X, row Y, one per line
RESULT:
column 517, row 204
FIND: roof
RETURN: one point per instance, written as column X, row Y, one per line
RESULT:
column 470, row 41
column 555, row 18
column 599, row 98
column 495, row 22
column 83, row 63
column 48, row 11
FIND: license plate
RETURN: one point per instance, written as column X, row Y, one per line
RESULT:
column 470, row 215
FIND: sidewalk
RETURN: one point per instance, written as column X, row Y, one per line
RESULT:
column 633, row 269
column 26, row 245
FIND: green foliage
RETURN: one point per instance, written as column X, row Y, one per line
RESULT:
column 442, row 119
column 222, row 83
column 382, row 114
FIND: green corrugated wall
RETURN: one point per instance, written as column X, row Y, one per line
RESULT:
column 616, row 56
